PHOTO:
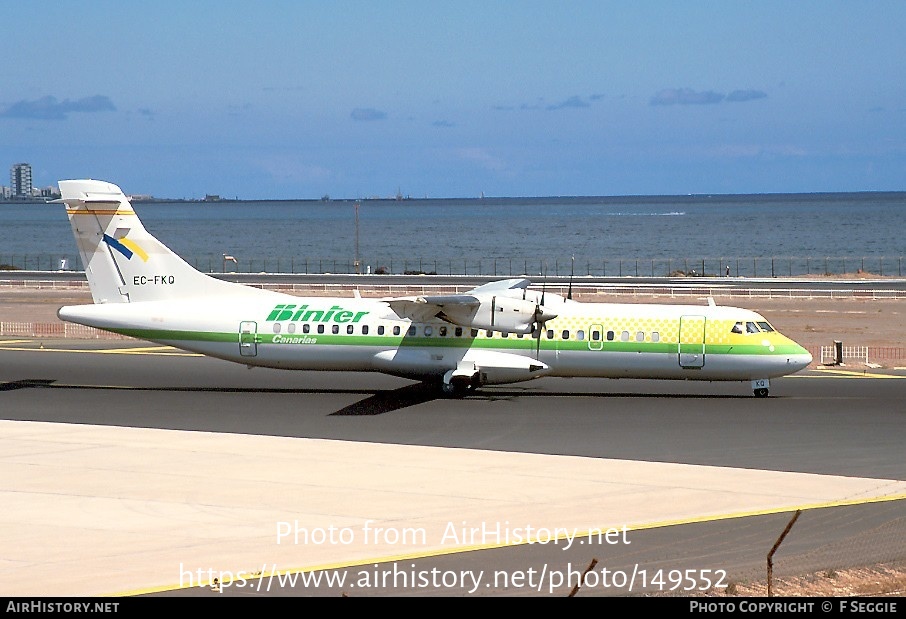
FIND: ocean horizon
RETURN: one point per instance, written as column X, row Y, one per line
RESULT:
column 619, row 235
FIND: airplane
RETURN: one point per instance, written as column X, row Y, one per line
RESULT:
column 497, row 333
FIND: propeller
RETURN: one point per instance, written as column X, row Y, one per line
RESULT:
column 539, row 316
column 572, row 272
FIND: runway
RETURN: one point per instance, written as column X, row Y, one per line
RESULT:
column 132, row 466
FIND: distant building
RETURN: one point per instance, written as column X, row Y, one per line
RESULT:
column 4, row 192
column 20, row 180
column 47, row 192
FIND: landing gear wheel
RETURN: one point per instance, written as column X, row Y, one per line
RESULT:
column 454, row 390
column 761, row 393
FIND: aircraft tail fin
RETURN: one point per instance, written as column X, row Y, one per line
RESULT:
column 123, row 262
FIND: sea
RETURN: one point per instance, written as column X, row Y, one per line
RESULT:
column 750, row 235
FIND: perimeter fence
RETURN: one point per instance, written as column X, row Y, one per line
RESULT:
column 761, row 266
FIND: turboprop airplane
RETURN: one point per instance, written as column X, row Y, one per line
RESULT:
column 498, row 333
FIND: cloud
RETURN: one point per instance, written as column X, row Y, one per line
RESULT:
column 573, row 102
column 685, row 96
column 482, row 158
column 367, row 113
column 745, row 95
column 48, row 108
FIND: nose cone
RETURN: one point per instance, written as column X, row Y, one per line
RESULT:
column 800, row 359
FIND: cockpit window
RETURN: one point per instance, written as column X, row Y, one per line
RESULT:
column 751, row 327
column 765, row 327
column 737, row 328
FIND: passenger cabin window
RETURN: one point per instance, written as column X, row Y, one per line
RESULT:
column 320, row 328
column 765, row 327
column 429, row 330
column 640, row 336
column 610, row 336
column 580, row 334
column 457, row 332
column 489, row 333
column 565, row 334
column 364, row 329
column 550, row 334
column 380, row 330
column 504, row 334
column 306, row 328
column 349, row 329
column 276, row 327
column 655, row 336
column 442, row 331
column 624, row 336
column 292, row 327
column 411, row 330
column 396, row 330
column 595, row 335
column 335, row 329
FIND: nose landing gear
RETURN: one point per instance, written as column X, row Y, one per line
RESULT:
column 760, row 387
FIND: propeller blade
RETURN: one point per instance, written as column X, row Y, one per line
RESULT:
column 572, row 272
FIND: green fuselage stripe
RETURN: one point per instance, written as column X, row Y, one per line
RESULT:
column 526, row 343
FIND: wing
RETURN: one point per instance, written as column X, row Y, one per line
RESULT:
column 422, row 309
column 499, row 306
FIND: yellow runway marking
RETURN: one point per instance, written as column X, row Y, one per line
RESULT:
column 151, row 350
column 856, row 374
column 7, row 342
column 835, row 375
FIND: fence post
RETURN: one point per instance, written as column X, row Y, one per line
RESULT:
column 774, row 549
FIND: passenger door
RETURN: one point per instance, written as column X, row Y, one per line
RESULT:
column 692, row 342
column 248, row 338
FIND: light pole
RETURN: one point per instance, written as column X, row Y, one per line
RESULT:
column 357, row 263
column 228, row 258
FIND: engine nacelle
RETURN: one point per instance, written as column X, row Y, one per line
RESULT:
column 497, row 313
column 485, row 367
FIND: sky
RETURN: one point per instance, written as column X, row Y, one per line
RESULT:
column 358, row 99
